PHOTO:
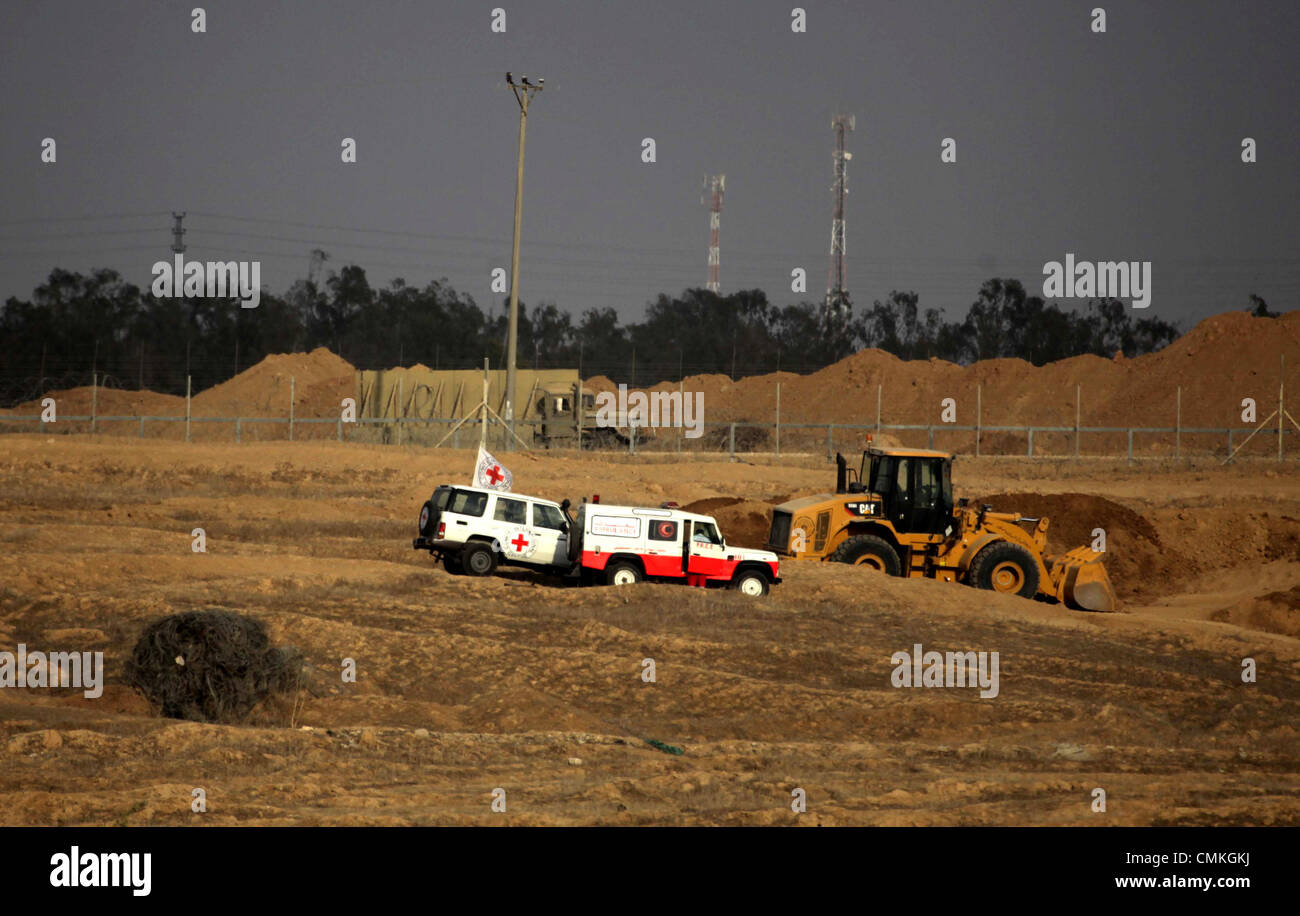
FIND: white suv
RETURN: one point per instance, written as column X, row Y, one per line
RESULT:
column 473, row 530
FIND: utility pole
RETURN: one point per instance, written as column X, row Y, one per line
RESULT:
column 178, row 249
column 835, row 293
column 714, row 185
column 523, row 94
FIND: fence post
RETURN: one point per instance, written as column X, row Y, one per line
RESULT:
column 931, row 445
column 1077, row 399
column 1281, row 405
column 1229, row 442
column 340, row 429
column 1178, row 425
column 830, row 441
column 1031, row 442
column 239, row 429
column 579, row 412
column 681, row 393
column 733, row 440
column 187, row 407
column 142, row 427
column 1130, row 446
column 94, row 400
column 778, row 419
column 400, row 410
column 979, row 416
column 879, row 389
column 291, row 396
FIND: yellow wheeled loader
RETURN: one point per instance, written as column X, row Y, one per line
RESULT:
column 896, row 514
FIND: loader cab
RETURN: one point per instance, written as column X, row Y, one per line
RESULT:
column 915, row 487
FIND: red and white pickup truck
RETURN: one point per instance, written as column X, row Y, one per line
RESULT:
column 621, row 545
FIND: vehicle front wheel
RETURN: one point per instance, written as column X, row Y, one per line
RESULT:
column 751, row 582
column 1005, row 567
column 478, row 559
column 870, row 551
column 623, row 573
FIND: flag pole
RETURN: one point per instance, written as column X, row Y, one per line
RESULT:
column 482, row 439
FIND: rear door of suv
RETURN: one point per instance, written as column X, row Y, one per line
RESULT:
column 463, row 513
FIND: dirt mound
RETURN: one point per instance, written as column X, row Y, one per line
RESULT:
column 320, row 380
column 1276, row 612
column 600, row 383
column 1218, row 363
column 744, row 522
column 108, row 402
column 1137, row 562
column 1283, row 535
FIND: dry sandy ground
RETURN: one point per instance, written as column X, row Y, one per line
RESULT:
column 466, row 686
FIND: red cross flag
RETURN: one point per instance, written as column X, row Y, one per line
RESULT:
column 490, row 473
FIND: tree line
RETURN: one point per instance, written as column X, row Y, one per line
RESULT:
column 77, row 324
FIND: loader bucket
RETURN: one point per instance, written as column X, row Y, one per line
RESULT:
column 1080, row 581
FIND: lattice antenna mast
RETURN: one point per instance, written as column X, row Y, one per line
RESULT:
column 317, row 262
column 835, row 290
column 178, row 233
column 714, row 185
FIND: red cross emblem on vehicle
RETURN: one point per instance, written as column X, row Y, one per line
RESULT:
column 494, row 474
column 519, row 542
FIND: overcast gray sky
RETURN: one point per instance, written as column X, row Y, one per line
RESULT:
column 1123, row 145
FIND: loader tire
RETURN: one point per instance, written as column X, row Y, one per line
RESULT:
column 1005, row 567
column 870, row 551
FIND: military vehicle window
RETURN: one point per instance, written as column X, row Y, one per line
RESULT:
column 904, row 468
column 511, row 511
column 663, row 530
column 927, row 485
column 545, row 516
column 467, row 502
column 705, row 533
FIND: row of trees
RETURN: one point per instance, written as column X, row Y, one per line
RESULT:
column 75, row 324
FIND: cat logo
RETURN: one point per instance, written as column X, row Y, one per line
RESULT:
column 865, row 508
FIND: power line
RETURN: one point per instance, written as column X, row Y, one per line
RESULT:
column 59, row 219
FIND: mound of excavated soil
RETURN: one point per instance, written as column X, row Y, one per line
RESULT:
column 1136, row 561
column 108, row 402
column 1218, row 363
column 1276, row 612
column 320, row 381
column 744, row 522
